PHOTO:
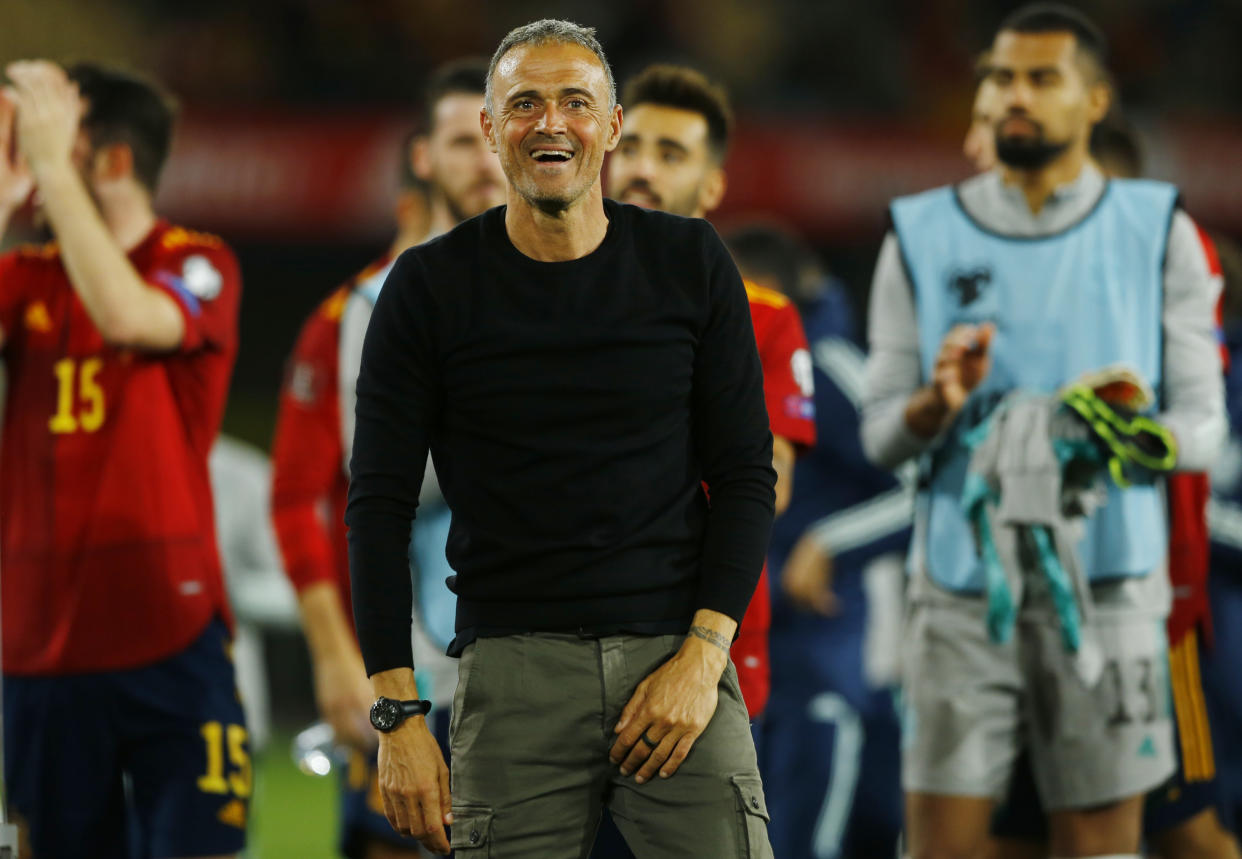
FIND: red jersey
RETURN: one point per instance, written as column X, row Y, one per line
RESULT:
column 788, row 390
column 107, row 536
column 788, row 373
column 1187, row 495
column 309, row 484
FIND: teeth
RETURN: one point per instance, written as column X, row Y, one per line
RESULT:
column 555, row 154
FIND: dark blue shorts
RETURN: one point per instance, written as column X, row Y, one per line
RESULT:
column 362, row 808
column 831, row 750
column 1222, row 681
column 149, row 762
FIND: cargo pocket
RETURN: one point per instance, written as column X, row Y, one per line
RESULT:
column 749, row 790
column 472, row 832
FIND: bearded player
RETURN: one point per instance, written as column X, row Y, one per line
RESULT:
column 1093, row 715
column 1181, row 818
column 671, row 157
column 118, row 338
column 449, row 165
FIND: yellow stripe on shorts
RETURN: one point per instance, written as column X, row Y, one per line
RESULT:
column 1198, row 762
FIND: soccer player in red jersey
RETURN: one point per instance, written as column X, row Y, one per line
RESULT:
column 449, row 165
column 671, row 157
column 118, row 340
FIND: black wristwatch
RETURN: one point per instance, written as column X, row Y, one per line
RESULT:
column 388, row 713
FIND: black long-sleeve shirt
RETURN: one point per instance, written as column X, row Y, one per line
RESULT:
column 573, row 411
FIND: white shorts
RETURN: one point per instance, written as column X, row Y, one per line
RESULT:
column 970, row 705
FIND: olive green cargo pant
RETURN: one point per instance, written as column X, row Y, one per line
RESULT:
column 532, row 725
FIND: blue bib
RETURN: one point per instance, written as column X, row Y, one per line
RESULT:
column 1064, row 304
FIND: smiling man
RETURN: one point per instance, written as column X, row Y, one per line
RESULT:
column 578, row 369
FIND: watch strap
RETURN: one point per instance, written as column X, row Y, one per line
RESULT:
column 417, row 707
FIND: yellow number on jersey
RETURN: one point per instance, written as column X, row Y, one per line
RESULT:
column 86, row 410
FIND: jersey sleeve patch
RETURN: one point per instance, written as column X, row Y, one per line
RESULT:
column 803, row 370
column 800, row 408
column 303, row 385
column 198, row 281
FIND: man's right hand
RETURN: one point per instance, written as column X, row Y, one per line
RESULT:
column 344, row 696
column 16, row 183
column 414, row 783
column 963, row 361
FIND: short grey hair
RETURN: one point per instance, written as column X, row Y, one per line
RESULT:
column 551, row 31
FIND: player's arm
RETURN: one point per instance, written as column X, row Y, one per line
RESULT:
column 127, row 311
column 342, row 692
column 673, row 705
column 789, row 391
column 306, row 458
column 306, row 463
column 16, row 184
column 903, row 415
column 1194, row 395
column 880, row 519
column 783, row 456
column 397, row 401
column 355, row 319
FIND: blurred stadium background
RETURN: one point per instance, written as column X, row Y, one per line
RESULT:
column 294, row 110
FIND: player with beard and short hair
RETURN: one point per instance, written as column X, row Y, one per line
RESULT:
column 1005, row 282
column 671, row 157
column 1181, row 817
column 120, row 705
column 447, row 174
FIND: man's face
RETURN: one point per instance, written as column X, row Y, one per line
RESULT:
column 457, row 161
column 664, row 162
column 551, row 123
column 980, row 143
column 1045, row 101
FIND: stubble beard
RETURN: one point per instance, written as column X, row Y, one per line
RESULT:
column 551, row 204
column 1028, row 152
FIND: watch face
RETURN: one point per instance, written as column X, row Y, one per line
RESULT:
column 385, row 714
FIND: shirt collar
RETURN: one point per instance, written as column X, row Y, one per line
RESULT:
column 1083, row 189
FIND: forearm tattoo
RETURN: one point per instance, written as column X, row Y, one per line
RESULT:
column 711, row 636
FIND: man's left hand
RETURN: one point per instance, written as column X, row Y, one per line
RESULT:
column 670, row 709
column 807, row 577
column 49, row 110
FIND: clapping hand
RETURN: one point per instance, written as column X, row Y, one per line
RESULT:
column 48, row 113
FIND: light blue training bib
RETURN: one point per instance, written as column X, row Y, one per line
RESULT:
column 1064, row 304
